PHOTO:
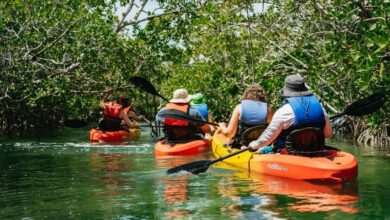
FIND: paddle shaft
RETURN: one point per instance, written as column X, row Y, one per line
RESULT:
column 189, row 118
column 230, row 155
column 337, row 115
column 176, row 114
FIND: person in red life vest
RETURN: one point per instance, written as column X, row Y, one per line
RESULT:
column 252, row 111
column 176, row 130
column 300, row 109
column 117, row 115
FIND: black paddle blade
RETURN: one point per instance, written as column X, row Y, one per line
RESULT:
column 366, row 105
column 195, row 167
column 75, row 123
column 145, row 85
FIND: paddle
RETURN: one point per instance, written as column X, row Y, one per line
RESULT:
column 201, row 166
column 359, row 108
column 77, row 123
column 364, row 106
column 176, row 114
column 145, row 85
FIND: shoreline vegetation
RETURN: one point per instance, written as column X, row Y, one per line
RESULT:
column 57, row 57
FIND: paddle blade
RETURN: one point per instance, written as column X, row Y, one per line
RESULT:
column 195, row 167
column 366, row 106
column 145, row 85
column 75, row 123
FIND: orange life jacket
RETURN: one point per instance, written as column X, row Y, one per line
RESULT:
column 113, row 109
column 177, row 122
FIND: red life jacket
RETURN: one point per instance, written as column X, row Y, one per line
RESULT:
column 113, row 109
column 184, row 107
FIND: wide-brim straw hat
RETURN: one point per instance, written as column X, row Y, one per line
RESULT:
column 294, row 85
column 180, row 96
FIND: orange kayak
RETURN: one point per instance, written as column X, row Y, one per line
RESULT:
column 188, row 148
column 339, row 167
column 96, row 135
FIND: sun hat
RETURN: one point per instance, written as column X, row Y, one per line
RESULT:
column 294, row 85
column 180, row 96
column 197, row 99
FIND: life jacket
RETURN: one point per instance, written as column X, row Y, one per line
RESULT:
column 203, row 109
column 252, row 114
column 308, row 112
column 113, row 109
column 173, row 121
column 111, row 120
column 176, row 130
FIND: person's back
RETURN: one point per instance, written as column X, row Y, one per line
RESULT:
column 114, row 112
column 199, row 103
column 176, row 130
column 306, row 112
column 300, row 109
column 251, row 112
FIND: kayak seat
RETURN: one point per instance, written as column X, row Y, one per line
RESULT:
column 308, row 141
column 180, row 134
column 251, row 134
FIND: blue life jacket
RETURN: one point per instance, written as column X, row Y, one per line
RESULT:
column 308, row 113
column 203, row 109
column 252, row 113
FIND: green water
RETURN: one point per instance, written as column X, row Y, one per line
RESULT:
column 66, row 177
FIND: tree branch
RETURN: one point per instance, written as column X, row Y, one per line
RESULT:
column 124, row 15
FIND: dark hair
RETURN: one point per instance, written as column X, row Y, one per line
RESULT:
column 254, row 92
column 124, row 101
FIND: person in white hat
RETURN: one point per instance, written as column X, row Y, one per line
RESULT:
column 182, row 129
column 300, row 109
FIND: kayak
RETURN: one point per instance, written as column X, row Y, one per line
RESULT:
column 96, row 135
column 336, row 167
column 187, row 148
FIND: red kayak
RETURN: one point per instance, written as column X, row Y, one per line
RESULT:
column 96, row 135
column 187, row 148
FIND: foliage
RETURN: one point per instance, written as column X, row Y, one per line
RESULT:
column 58, row 57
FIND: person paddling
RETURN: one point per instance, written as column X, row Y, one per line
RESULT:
column 178, row 129
column 252, row 111
column 300, row 109
column 117, row 113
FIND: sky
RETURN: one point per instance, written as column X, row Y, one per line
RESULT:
column 152, row 5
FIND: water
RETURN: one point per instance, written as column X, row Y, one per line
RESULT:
column 66, row 177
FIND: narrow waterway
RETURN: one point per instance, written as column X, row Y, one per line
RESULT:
column 67, row 177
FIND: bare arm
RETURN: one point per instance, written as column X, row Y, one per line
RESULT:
column 129, row 123
column 328, row 128
column 231, row 129
column 133, row 115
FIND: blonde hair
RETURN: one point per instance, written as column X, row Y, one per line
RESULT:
column 254, row 92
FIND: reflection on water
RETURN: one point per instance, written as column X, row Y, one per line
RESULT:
column 303, row 196
column 176, row 186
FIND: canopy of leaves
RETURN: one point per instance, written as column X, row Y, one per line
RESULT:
column 57, row 57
